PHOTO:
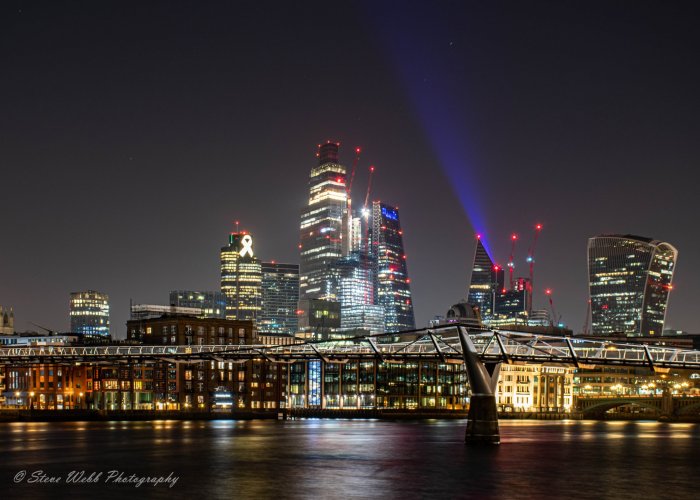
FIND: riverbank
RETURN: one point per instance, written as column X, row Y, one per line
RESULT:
column 293, row 414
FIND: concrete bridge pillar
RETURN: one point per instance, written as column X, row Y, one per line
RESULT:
column 666, row 404
column 482, row 419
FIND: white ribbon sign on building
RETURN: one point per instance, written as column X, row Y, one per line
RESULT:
column 247, row 244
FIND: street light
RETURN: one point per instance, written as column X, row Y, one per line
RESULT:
column 31, row 403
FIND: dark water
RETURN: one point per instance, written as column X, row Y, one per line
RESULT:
column 354, row 459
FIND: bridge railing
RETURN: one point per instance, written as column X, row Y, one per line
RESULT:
column 440, row 343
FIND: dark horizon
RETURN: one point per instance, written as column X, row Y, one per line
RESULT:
column 134, row 136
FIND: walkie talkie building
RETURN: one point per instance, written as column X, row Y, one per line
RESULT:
column 630, row 278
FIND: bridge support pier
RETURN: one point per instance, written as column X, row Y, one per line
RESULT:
column 482, row 419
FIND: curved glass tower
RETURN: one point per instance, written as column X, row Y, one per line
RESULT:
column 630, row 278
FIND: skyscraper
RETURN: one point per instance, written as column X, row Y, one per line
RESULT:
column 89, row 313
column 212, row 304
column 280, row 297
column 629, row 279
column 486, row 280
column 320, row 242
column 241, row 278
column 392, row 284
column 355, row 290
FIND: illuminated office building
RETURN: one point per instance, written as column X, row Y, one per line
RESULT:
column 392, row 285
column 630, row 278
column 510, row 307
column 486, row 280
column 322, row 224
column 355, row 290
column 241, row 278
column 280, row 297
column 89, row 313
column 318, row 319
column 212, row 304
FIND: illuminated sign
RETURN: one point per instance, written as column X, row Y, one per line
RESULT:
column 247, row 244
column 390, row 214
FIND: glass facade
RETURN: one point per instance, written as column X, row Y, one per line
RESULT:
column 354, row 287
column 212, row 304
column 280, row 296
column 629, row 279
column 320, row 242
column 376, row 385
column 241, row 278
column 486, row 279
column 89, row 313
column 392, row 284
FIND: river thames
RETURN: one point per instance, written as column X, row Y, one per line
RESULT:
column 348, row 459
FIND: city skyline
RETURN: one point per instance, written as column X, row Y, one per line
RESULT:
column 186, row 143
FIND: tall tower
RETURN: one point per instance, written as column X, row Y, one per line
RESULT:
column 321, row 232
column 629, row 279
column 487, row 279
column 241, row 278
column 393, row 289
column 89, row 313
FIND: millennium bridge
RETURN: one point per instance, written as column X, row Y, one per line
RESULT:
column 482, row 352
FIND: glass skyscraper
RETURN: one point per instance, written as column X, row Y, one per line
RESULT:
column 630, row 278
column 241, row 278
column 89, row 313
column 280, row 296
column 320, row 242
column 392, row 284
column 355, row 291
column 212, row 304
column 487, row 279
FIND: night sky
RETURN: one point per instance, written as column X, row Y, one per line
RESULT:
column 132, row 135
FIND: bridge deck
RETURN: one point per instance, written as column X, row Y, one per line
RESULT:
column 436, row 344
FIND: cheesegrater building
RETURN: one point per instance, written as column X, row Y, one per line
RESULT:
column 630, row 278
column 487, row 279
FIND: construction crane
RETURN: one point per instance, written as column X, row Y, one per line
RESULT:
column 531, row 260
column 587, row 324
column 365, row 210
column 365, row 213
column 346, row 233
column 511, row 265
column 554, row 320
column 355, row 162
column 369, row 187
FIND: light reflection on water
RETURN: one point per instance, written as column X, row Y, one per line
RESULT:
column 358, row 458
